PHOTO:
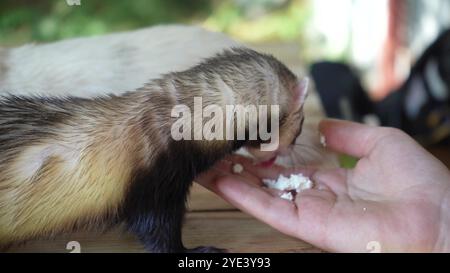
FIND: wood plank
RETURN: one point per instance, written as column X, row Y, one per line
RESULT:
column 235, row 231
column 202, row 199
column 239, row 232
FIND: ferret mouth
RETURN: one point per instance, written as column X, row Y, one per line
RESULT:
column 268, row 163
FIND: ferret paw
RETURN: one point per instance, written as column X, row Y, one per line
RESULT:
column 206, row 249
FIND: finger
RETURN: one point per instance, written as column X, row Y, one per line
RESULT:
column 272, row 172
column 314, row 209
column 274, row 192
column 261, row 204
column 246, row 173
column 334, row 179
column 350, row 138
column 250, row 177
column 257, row 169
column 307, row 171
column 220, row 169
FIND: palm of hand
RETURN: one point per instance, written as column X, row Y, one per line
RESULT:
column 375, row 205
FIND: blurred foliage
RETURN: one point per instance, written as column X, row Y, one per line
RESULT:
column 261, row 20
column 23, row 21
column 48, row 20
column 347, row 162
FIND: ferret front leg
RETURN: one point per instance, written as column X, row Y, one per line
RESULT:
column 206, row 249
column 156, row 217
column 156, row 201
column 154, row 209
column 159, row 231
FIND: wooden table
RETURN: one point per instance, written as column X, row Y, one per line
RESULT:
column 210, row 221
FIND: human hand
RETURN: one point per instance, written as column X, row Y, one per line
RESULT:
column 398, row 195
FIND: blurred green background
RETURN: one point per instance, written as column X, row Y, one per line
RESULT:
column 24, row 21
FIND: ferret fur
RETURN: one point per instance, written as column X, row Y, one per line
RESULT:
column 113, row 63
column 72, row 162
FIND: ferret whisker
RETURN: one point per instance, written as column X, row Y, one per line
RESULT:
column 293, row 162
column 298, row 156
column 301, row 152
column 309, row 149
column 308, row 153
column 315, row 148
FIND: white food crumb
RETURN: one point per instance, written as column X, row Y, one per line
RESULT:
column 287, row 196
column 364, row 209
column 238, row 168
column 296, row 182
column 323, row 141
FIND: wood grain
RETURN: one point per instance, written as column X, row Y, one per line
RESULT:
column 234, row 230
column 202, row 199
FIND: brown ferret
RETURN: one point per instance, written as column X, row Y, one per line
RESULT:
column 68, row 163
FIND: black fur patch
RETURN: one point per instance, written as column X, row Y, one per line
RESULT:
column 156, row 202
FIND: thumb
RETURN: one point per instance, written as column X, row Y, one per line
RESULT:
column 351, row 138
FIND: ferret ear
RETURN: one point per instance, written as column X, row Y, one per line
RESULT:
column 300, row 93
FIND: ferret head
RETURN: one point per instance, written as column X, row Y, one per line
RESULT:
column 292, row 94
column 243, row 77
column 263, row 80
